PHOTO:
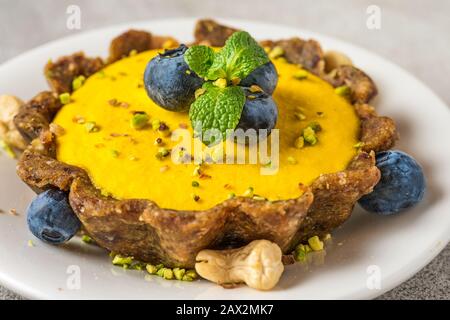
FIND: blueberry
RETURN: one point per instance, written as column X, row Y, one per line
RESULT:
column 259, row 112
column 169, row 82
column 402, row 184
column 50, row 217
column 265, row 77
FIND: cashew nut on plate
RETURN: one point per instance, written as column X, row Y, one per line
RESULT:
column 334, row 59
column 258, row 265
column 9, row 106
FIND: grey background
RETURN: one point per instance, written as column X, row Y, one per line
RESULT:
column 414, row 34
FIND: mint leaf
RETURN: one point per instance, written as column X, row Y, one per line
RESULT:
column 218, row 108
column 199, row 59
column 238, row 58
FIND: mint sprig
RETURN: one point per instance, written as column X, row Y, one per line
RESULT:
column 221, row 108
column 240, row 55
column 217, row 108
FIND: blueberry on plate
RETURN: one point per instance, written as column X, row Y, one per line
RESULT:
column 50, row 217
column 259, row 112
column 402, row 184
column 265, row 76
column 169, row 82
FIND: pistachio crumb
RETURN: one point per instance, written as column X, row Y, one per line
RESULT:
column 151, row 269
column 299, row 142
column 197, row 171
column 155, row 124
column 248, row 192
column 188, row 72
column 299, row 115
column 30, row 243
column 86, row 239
column 163, row 168
column 359, row 145
column 327, row 237
column 139, row 120
column 259, row 198
column 120, row 260
column 315, row 243
column 56, row 129
column 162, row 153
column 179, row 273
column 291, row 160
column 343, row 91
column 133, row 53
column 91, row 126
column 115, row 153
column 231, row 195
column 64, row 98
column 301, row 74
column 195, row 184
column 310, row 135
column 276, row 52
column 78, row 82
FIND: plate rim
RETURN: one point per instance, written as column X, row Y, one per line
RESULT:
column 409, row 270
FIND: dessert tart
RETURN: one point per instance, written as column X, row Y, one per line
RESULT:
column 97, row 136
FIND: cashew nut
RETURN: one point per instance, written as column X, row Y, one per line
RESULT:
column 9, row 106
column 258, row 265
column 334, row 59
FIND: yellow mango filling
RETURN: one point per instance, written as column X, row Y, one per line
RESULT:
column 122, row 161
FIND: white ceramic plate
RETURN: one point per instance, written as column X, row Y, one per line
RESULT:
column 367, row 246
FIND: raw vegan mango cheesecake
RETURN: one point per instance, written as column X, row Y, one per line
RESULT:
column 100, row 137
column 141, row 153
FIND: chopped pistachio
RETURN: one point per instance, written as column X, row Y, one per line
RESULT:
column 255, row 88
column 299, row 115
column 7, row 148
column 300, row 253
column 188, row 72
column 310, row 135
column 137, row 266
column 139, row 120
column 343, row 91
column 160, row 272
column 301, row 74
column 195, row 197
column 248, row 192
column 276, row 52
column 231, row 195
column 101, row 74
column 199, row 92
column 64, row 98
column 85, row 238
column 133, row 53
column 292, row 160
column 327, row 237
column 167, row 274
column 162, row 153
column 259, row 198
column 195, row 184
column 187, row 278
column 78, row 82
column 299, row 142
column 315, row 243
column 307, row 248
column 151, row 268
column 179, row 273
column 221, row 83
column 159, row 142
column 197, row 171
column 315, row 126
column 91, row 126
column 30, row 243
column 155, row 124
column 359, row 145
column 115, row 153
column 191, row 273
column 251, row 97
column 119, row 260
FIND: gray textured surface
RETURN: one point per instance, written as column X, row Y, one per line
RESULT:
column 413, row 34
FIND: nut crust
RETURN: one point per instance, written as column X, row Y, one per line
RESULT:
column 208, row 32
column 61, row 73
column 141, row 229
